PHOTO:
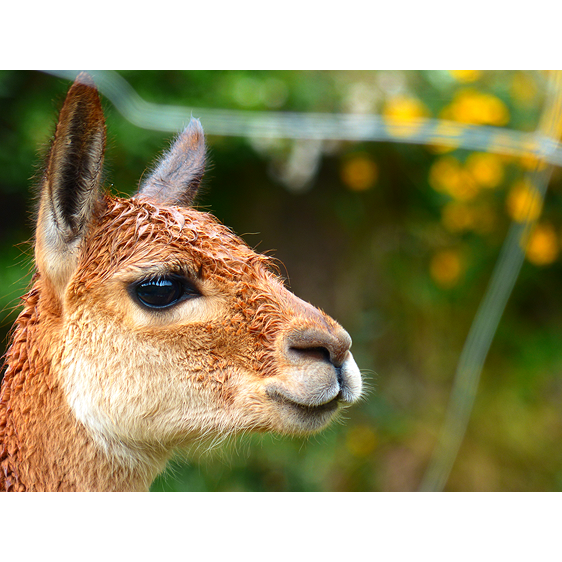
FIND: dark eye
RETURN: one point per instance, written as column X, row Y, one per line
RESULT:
column 163, row 292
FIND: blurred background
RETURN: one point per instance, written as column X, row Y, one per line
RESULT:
column 388, row 196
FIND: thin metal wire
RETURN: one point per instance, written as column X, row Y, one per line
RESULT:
column 319, row 126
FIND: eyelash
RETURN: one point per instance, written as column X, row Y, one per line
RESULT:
column 162, row 292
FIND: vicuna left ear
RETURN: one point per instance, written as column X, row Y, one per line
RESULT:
column 176, row 179
column 70, row 190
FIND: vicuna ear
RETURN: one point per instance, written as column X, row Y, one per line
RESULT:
column 70, row 188
column 176, row 179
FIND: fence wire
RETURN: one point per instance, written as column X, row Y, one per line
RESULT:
column 542, row 144
column 320, row 126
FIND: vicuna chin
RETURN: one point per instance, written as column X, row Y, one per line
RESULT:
column 149, row 325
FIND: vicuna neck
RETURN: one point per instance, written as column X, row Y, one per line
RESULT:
column 43, row 447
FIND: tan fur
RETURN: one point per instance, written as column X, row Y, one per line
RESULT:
column 100, row 391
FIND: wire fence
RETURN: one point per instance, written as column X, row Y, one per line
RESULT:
column 542, row 144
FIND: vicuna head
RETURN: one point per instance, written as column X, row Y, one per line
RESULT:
column 150, row 325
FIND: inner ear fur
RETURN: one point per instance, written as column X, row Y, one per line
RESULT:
column 178, row 174
column 70, row 188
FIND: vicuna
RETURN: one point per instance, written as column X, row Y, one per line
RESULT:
column 149, row 325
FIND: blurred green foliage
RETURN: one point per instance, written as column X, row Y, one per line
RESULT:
column 396, row 241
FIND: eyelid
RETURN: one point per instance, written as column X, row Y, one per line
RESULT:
column 188, row 278
column 190, row 289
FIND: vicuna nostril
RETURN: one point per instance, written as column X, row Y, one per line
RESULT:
column 314, row 353
column 318, row 345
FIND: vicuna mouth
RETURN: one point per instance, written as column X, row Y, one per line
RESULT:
column 327, row 407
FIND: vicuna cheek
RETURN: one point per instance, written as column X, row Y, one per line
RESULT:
column 122, row 391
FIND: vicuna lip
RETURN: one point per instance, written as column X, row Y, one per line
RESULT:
column 330, row 406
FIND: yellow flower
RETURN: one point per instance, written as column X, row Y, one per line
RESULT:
column 359, row 173
column 524, row 202
column 446, row 268
column 448, row 176
column 444, row 172
column 485, row 168
column 465, row 75
column 471, row 106
column 361, row 440
column 401, row 114
column 542, row 246
column 404, row 108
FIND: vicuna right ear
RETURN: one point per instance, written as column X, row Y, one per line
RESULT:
column 176, row 179
column 70, row 188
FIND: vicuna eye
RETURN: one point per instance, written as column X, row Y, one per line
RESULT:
column 163, row 292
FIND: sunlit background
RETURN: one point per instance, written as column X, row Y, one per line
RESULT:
column 389, row 197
